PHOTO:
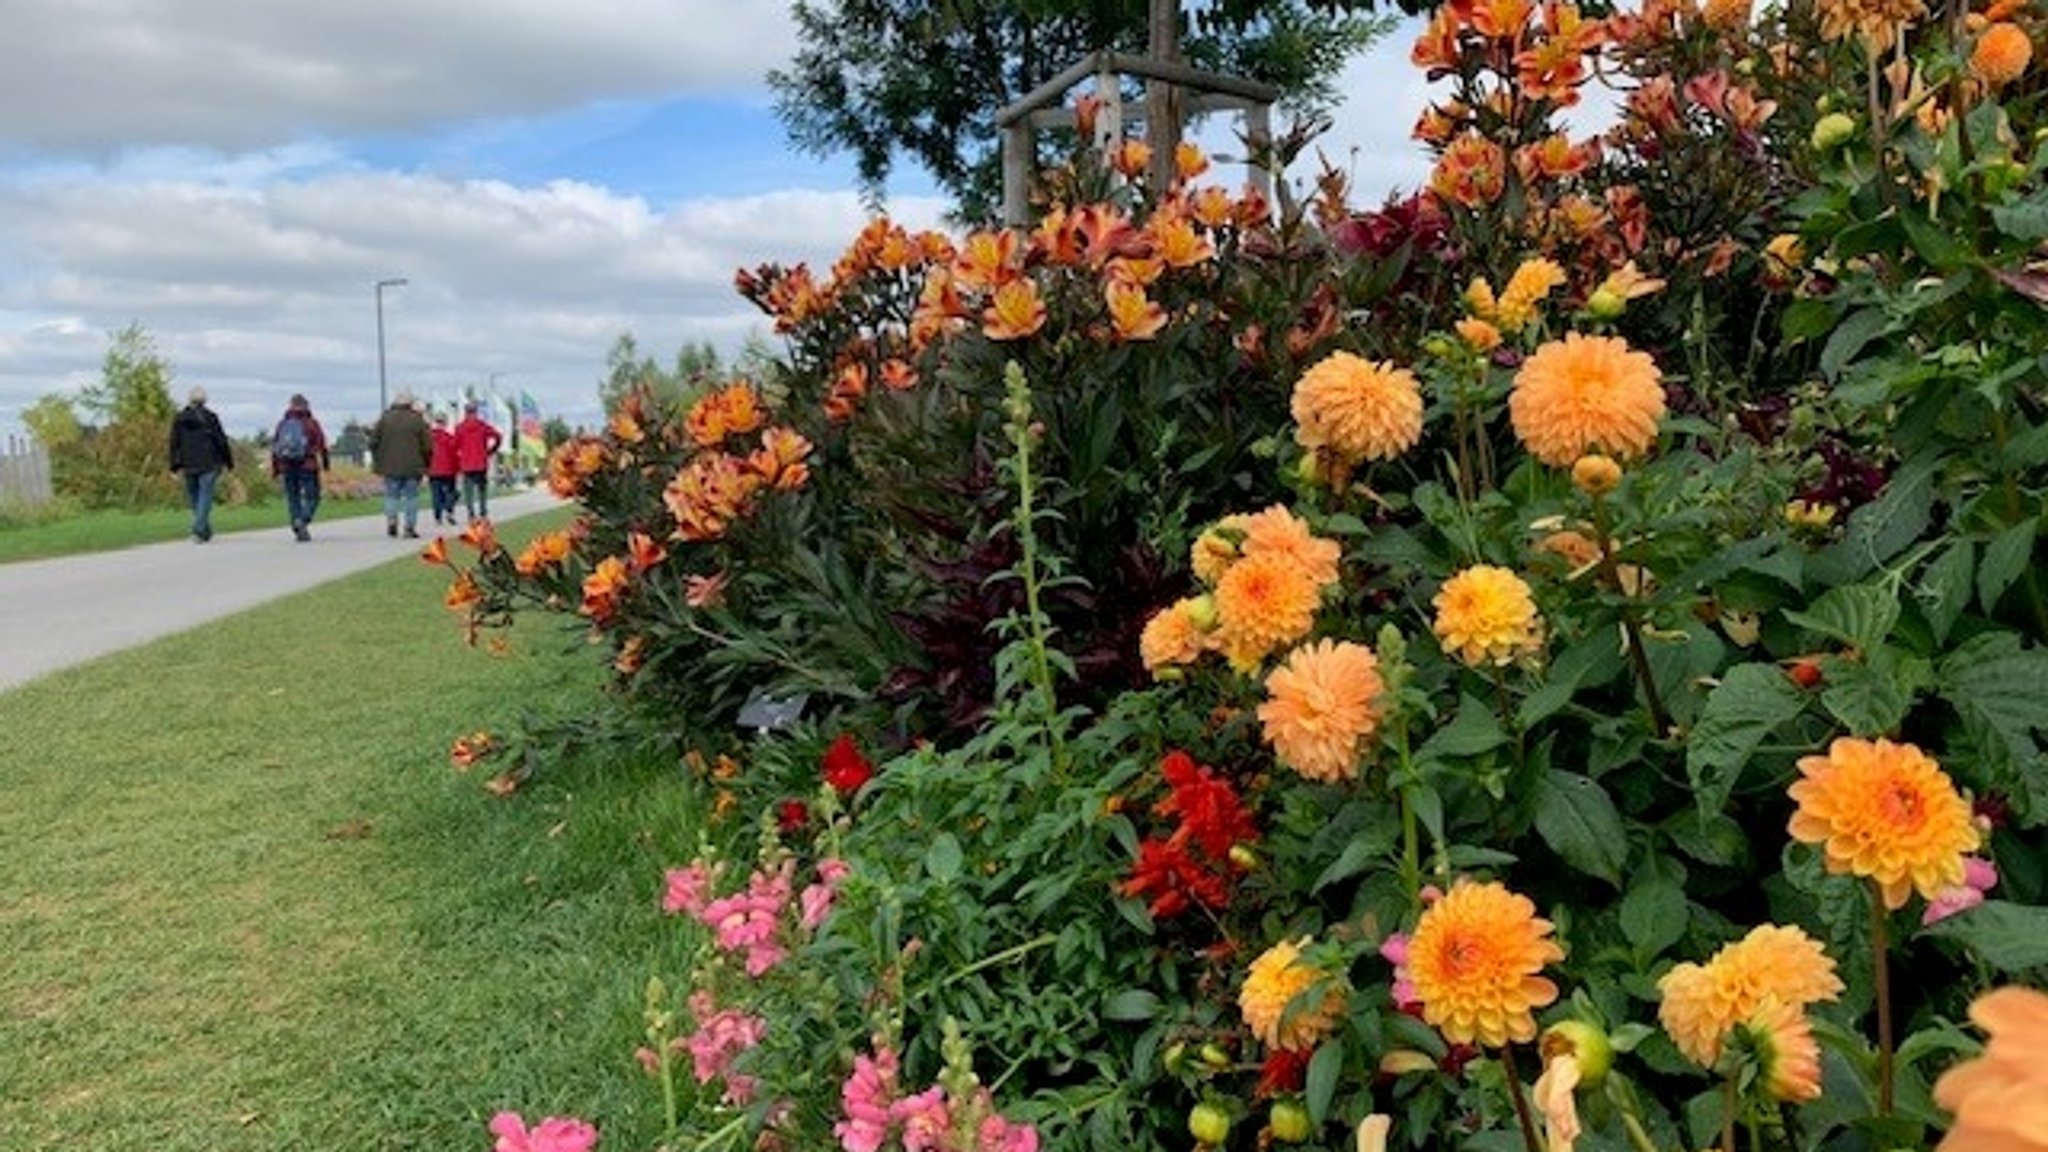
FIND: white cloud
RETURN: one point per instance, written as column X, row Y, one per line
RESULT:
column 97, row 76
column 260, row 292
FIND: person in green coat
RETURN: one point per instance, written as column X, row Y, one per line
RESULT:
column 400, row 447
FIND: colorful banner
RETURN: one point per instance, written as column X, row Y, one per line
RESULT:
column 529, row 416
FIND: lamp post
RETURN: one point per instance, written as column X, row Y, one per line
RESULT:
column 383, row 399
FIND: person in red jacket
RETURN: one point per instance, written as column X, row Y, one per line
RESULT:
column 298, row 454
column 442, row 472
column 475, row 443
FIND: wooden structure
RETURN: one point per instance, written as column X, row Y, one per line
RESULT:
column 1174, row 91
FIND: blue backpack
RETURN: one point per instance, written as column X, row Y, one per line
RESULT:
column 290, row 443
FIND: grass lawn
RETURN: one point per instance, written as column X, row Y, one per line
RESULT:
column 105, row 531
column 248, row 904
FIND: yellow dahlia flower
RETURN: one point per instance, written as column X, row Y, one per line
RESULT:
column 1702, row 1003
column 2000, row 1098
column 1276, row 980
column 1357, row 408
column 1886, row 811
column 1475, row 959
column 1322, row 707
column 1585, row 394
column 1263, row 603
column 1484, row 615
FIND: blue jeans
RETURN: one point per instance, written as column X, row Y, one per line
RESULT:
column 199, row 494
column 444, row 496
column 476, row 494
column 301, row 494
column 402, row 495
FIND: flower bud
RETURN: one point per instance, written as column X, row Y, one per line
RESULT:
column 1202, row 611
column 1244, row 858
column 1596, row 475
column 1401, row 1061
column 1832, row 131
column 1586, row 1043
column 1606, row 304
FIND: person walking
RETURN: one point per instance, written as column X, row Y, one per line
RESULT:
column 199, row 450
column 475, row 443
column 441, row 470
column 400, row 447
column 298, row 454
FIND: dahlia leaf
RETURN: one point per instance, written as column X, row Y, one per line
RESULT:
column 1575, row 816
column 1750, row 702
column 2003, row 562
column 2010, row 937
column 1860, row 616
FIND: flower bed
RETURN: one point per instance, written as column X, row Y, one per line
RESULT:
column 1555, row 660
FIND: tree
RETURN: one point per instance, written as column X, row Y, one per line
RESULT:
column 135, row 382
column 866, row 80
column 53, row 422
column 627, row 369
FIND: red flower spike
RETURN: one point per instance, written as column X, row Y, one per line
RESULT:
column 845, row 768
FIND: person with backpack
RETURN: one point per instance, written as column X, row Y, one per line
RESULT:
column 475, row 443
column 400, row 448
column 298, row 454
column 442, row 473
column 199, row 450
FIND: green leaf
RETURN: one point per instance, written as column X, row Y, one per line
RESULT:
column 942, row 860
column 1849, row 337
column 2003, row 562
column 1473, row 730
column 1370, row 844
column 1871, row 696
column 1750, row 701
column 1325, row 1072
column 1944, row 588
column 1878, row 531
column 1132, row 1004
column 1654, row 915
column 1860, row 616
column 1933, row 242
column 1804, row 319
column 1577, row 819
column 2000, row 688
column 2026, row 220
column 2010, row 937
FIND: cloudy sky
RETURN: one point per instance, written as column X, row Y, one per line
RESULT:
column 236, row 175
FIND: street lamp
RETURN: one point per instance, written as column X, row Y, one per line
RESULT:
column 383, row 400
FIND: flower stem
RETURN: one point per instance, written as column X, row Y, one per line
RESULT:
column 1411, row 850
column 1528, row 1122
column 1638, row 1137
column 1882, row 981
column 1632, row 627
column 1729, row 1106
column 1003, row 957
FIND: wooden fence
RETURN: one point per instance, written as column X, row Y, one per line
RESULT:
column 24, row 472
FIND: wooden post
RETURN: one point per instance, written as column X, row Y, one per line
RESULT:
column 1018, row 160
column 1258, row 133
column 1162, row 99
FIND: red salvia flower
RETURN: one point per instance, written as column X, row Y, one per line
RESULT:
column 1208, row 807
column 845, row 768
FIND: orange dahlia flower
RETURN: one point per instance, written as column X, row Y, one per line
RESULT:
column 1322, row 707
column 1702, row 1003
column 1263, row 603
column 1277, row 979
column 1527, row 288
column 2002, row 54
column 1584, row 394
column 1475, row 959
column 1485, row 615
column 1364, row 410
column 1788, row 1058
column 1596, row 475
column 1278, row 532
column 1878, row 22
column 1176, row 636
column 2001, row 1098
column 1886, row 811
column 1478, row 335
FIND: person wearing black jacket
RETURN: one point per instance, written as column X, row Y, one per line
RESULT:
column 199, row 450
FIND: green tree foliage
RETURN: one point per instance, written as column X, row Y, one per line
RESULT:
column 628, row 369
column 135, row 382
column 53, row 421
column 114, row 455
column 864, row 80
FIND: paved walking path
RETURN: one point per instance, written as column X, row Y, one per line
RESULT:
column 56, row 613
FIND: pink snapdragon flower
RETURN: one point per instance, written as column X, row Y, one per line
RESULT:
column 1000, row 1135
column 722, row 1035
column 688, row 890
column 925, row 1118
column 816, row 900
column 1979, row 876
column 749, row 920
column 1394, row 950
column 865, row 1097
column 554, row 1134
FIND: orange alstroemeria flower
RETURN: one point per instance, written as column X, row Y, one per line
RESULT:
column 898, row 375
column 1015, row 313
column 1472, row 171
column 1501, row 19
column 463, row 592
column 480, row 535
column 1054, row 241
column 1134, row 315
column 602, row 588
column 706, row 591
column 1189, row 161
column 1104, row 232
column 1131, row 158
column 1436, row 50
column 437, row 552
column 644, row 551
column 1178, row 244
column 1209, row 207
column 987, row 260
